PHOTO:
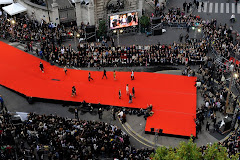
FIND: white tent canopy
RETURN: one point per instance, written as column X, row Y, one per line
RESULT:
column 6, row 1
column 14, row 8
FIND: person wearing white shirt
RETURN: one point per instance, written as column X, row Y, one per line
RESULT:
column 132, row 75
column 232, row 19
column 207, row 104
column 127, row 89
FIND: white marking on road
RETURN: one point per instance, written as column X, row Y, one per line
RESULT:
column 238, row 8
column 222, row 8
column 205, row 6
column 199, row 8
column 216, row 7
column 227, row 7
column 210, row 7
column 233, row 7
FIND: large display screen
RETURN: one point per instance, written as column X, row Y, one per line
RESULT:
column 123, row 20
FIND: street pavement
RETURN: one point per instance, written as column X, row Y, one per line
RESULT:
column 221, row 10
column 171, row 35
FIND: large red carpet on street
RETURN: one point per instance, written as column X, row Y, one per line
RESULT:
column 173, row 97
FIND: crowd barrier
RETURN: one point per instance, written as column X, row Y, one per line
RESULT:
column 180, row 25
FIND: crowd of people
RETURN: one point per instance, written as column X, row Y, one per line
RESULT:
column 28, row 31
column 54, row 137
column 98, row 54
column 175, row 15
column 221, row 42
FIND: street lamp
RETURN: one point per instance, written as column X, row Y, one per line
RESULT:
column 235, row 75
column 76, row 35
column 119, row 31
column 13, row 21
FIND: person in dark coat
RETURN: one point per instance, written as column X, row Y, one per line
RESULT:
column 41, row 67
column 184, row 5
column 100, row 113
column 133, row 92
column 73, row 91
column 207, row 126
column 104, row 74
column 130, row 98
column 89, row 76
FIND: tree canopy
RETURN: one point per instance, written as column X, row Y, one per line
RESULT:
column 190, row 151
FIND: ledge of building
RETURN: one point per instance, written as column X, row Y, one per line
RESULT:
column 35, row 5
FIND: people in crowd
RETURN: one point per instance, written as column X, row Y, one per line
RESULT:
column 54, row 137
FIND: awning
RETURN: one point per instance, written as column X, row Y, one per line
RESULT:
column 14, row 8
column 6, row 1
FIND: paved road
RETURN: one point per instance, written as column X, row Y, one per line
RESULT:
column 221, row 10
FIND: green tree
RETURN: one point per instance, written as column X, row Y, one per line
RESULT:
column 235, row 157
column 144, row 21
column 188, row 151
column 215, row 152
column 102, row 29
column 161, row 153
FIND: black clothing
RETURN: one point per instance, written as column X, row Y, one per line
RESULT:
column 73, row 90
column 76, row 113
column 133, row 92
column 100, row 113
column 207, row 126
column 41, row 66
column 104, row 74
column 89, row 77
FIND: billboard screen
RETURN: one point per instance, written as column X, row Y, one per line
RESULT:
column 123, row 20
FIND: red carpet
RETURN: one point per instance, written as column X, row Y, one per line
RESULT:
column 173, row 97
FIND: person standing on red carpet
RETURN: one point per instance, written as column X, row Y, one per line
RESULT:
column 119, row 94
column 132, row 75
column 133, row 92
column 65, row 70
column 73, row 91
column 130, row 98
column 41, row 67
column 104, row 74
column 89, row 76
column 127, row 89
column 114, row 75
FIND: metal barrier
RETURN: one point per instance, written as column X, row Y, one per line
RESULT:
column 176, row 24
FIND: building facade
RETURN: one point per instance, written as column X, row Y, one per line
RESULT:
column 86, row 11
